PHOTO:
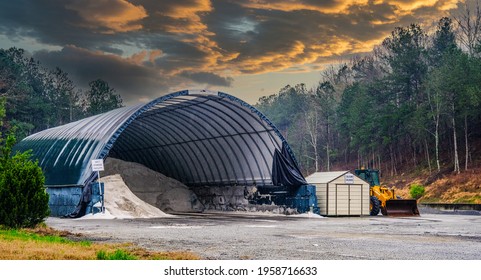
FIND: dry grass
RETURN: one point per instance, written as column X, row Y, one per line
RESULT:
column 47, row 244
column 456, row 188
column 449, row 188
column 32, row 250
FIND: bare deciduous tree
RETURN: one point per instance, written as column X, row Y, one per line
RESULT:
column 468, row 19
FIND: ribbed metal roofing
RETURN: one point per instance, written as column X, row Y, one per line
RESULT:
column 196, row 137
column 324, row 177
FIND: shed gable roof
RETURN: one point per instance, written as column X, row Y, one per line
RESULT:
column 324, row 177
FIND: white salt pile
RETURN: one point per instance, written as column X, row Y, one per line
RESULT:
column 98, row 216
column 165, row 193
column 120, row 202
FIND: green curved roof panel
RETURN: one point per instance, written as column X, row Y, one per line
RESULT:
column 197, row 137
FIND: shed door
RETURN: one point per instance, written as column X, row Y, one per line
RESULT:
column 342, row 200
column 349, row 200
column 355, row 200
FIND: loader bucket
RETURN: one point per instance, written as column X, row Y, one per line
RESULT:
column 401, row 207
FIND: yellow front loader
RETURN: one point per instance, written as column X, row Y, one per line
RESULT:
column 384, row 199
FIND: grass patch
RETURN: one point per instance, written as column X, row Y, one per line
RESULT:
column 117, row 255
column 44, row 243
column 29, row 235
column 476, row 199
column 430, row 200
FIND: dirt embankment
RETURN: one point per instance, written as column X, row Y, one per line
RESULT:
column 447, row 187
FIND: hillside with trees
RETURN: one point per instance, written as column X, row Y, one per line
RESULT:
column 411, row 108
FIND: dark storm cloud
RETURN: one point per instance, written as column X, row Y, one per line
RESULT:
column 49, row 22
column 209, row 78
column 178, row 55
column 134, row 82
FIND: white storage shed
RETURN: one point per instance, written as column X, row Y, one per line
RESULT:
column 340, row 193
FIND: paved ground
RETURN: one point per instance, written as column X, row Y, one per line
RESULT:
column 248, row 236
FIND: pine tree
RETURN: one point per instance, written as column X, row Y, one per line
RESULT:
column 23, row 198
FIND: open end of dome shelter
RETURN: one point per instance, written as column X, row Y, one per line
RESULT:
column 200, row 138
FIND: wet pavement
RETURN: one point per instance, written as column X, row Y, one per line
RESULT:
column 231, row 236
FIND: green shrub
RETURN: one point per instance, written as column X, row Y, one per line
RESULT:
column 117, row 255
column 416, row 191
column 23, row 198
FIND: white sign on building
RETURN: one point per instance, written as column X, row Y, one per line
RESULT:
column 349, row 178
column 97, row 165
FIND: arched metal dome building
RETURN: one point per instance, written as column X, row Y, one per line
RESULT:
column 200, row 138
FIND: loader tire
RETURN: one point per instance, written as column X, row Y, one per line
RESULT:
column 374, row 206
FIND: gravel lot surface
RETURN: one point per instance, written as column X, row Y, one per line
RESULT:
column 230, row 236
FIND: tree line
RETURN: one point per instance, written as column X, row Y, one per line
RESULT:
column 412, row 103
column 38, row 98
